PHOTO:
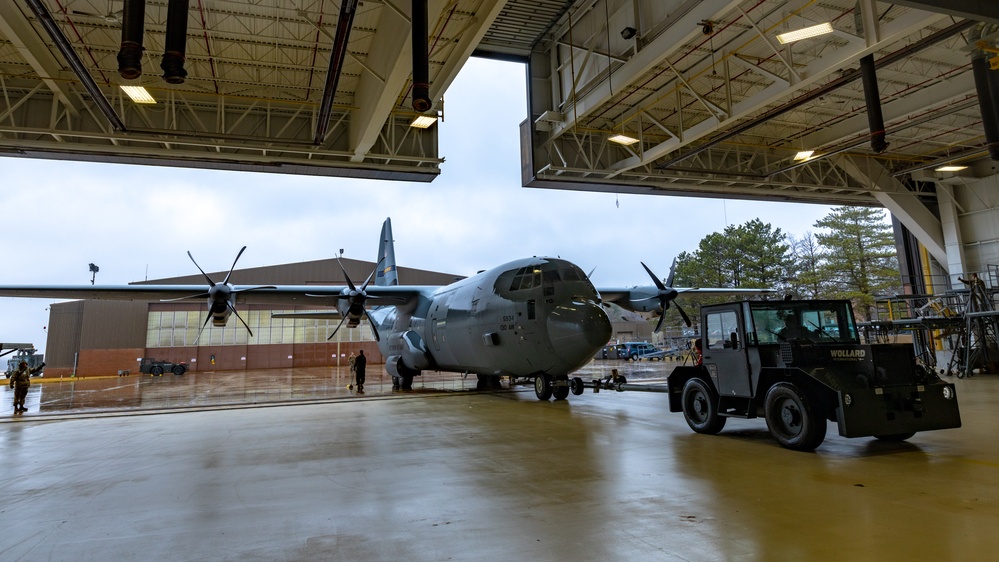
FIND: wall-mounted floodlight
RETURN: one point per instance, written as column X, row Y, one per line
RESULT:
column 423, row 121
column 623, row 139
column 138, row 94
column 805, row 33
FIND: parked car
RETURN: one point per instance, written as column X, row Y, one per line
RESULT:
column 642, row 350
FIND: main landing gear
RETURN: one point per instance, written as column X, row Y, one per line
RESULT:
column 559, row 387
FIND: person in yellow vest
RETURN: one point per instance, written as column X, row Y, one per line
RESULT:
column 20, row 380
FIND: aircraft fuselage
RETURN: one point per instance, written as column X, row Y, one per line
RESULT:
column 524, row 318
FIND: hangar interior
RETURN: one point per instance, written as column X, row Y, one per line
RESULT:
column 700, row 98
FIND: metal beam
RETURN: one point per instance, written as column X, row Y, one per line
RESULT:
column 980, row 10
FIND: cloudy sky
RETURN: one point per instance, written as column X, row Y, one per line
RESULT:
column 138, row 222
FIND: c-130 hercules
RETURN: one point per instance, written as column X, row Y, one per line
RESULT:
column 535, row 318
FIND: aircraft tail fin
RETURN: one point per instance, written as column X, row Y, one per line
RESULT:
column 387, row 275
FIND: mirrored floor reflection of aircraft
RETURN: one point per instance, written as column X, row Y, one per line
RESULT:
column 533, row 318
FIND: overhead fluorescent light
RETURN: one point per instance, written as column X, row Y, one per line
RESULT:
column 805, row 33
column 951, row 168
column 138, row 94
column 623, row 139
column 804, row 155
column 423, row 121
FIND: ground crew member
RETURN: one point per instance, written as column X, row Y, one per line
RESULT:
column 20, row 380
column 359, row 364
column 350, row 362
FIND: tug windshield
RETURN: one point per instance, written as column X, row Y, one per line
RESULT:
column 816, row 321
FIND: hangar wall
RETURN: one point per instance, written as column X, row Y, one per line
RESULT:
column 100, row 338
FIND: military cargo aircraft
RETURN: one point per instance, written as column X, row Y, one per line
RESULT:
column 533, row 318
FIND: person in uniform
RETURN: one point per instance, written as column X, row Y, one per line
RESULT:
column 359, row 364
column 793, row 330
column 350, row 363
column 20, row 380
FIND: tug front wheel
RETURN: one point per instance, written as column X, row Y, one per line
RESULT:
column 700, row 407
column 792, row 419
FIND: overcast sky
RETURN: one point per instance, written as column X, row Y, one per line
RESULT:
column 138, row 222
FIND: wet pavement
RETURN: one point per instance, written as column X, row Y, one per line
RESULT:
column 446, row 473
column 47, row 397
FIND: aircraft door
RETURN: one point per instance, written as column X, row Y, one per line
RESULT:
column 725, row 354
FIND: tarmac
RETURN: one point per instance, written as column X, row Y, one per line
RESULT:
column 292, row 465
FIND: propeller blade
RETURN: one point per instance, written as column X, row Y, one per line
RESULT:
column 342, row 320
column 658, row 283
column 374, row 329
column 686, row 319
column 233, row 309
column 373, row 271
column 345, row 276
column 245, row 289
column 227, row 275
column 672, row 272
column 204, row 295
column 201, row 331
column 207, row 278
column 659, row 326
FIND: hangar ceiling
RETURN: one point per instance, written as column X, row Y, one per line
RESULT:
column 717, row 106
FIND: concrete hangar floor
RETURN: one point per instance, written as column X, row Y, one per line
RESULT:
column 300, row 468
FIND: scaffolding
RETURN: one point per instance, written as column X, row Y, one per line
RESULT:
column 966, row 318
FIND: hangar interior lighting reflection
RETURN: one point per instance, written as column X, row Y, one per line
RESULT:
column 951, row 168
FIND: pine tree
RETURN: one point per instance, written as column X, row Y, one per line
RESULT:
column 859, row 256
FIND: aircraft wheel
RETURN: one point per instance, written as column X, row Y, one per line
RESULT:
column 576, row 386
column 792, row 419
column 156, row 371
column 407, row 382
column 561, row 392
column 543, row 386
column 895, row 436
column 700, row 407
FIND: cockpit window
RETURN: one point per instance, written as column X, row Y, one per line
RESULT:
column 526, row 278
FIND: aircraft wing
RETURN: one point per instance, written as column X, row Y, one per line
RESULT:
column 318, row 295
column 646, row 298
column 615, row 294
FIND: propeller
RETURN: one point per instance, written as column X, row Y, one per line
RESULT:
column 666, row 294
column 353, row 300
column 221, row 297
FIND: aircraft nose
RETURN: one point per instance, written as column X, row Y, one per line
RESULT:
column 578, row 331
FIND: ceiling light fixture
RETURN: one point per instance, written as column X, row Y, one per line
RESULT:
column 951, row 168
column 138, row 94
column 804, row 155
column 805, row 33
column 423, row 121
column 623, row 139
